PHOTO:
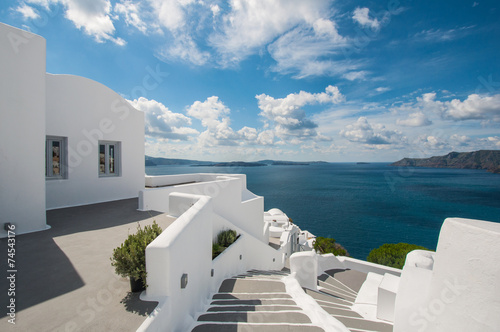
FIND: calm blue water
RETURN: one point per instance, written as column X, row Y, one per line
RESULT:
column 364, row 206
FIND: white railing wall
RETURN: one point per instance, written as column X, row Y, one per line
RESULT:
column 363, row 266
column 227, row 192
column 184, row 248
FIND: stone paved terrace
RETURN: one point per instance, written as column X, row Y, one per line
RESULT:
column 65, row 281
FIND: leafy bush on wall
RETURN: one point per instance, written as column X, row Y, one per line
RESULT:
column 129, row 259
column 224, row 240
column 324, row 245
column 392, row 254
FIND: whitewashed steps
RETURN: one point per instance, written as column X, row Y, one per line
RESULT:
column 254, row 301
column 336, row 295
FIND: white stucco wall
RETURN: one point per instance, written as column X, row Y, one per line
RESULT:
column 465, row 287
column 231, row 199
column 86, row 112
column 22, row 130
column 457, row 288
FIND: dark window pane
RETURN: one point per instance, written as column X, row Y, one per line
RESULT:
column 102, row 158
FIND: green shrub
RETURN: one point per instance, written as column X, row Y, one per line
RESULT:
column 129, row 259
column 216, row 250
column 224, row 240
column 392, row 254
column 324, row 245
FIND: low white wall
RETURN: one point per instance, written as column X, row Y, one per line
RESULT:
column 87, row 112
column 228, row 264
column 227, row 192
column 465, row 286
column 185, row 247
column 455, row 289
column 22, row 130
column 363, row 266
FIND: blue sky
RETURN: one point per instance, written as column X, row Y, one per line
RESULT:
column 293, row 79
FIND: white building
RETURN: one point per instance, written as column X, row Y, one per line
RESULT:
column 66, row 140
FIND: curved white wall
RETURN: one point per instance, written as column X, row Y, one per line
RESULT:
column 457, row 288
column 465, row 287
column 22, row 130
column 86, row 112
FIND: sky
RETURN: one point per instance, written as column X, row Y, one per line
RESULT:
column 301, row 80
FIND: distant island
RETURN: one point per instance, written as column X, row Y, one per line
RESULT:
column 231, row 164
column 483, row 159
column 154, row 161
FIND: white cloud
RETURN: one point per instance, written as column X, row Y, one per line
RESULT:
column 417, row 119
column 382, row 89
column 215, row 10
column 161, row 122
column 355, row 75
column 494, row 140
column 209, row 111
column 287, row 114
column 186, row 49
column 28, row 12
column 266, row 137
column 248, row 134
column 250, row 25
column 130, row 11
column 439, row 35
column 474, row 107
column 214, row 115
column 94, row 18
column 43, row 3
column 171, row 13
column 363, row 132
column 305, row 52
column 362, row 16
column 431, row 142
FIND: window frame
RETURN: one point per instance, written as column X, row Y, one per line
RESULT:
column 63, row 158
column 116, row 159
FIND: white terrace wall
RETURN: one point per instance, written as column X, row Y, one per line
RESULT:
column 185, row 248
column 460, row 282
column 86, row 112
column 231, row 199
column 22, row 130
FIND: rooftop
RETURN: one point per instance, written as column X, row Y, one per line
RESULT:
column 65, row 280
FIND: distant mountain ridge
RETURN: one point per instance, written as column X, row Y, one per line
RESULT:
column 153, row 161
column 482, row 159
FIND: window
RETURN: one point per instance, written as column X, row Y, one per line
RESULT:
column 56, row 158
column 109, row 158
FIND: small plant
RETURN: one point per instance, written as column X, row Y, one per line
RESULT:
column 129, row 259
column 224, row 240
column 324, row 245
column 392, row 254
column 216, row 250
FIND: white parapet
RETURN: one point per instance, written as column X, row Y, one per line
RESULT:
column 305, row 267
column 457, row 288
column 386, row 299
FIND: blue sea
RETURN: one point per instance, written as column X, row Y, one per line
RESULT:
column 363, row 206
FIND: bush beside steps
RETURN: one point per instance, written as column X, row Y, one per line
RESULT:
column 224, row 239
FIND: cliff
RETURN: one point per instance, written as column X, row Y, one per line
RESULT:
column 483, row 159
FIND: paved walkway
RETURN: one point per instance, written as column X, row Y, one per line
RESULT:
column 65, row 281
